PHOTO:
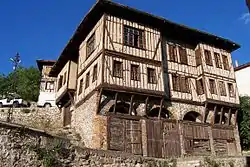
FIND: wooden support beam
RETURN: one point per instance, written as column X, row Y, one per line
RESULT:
column 116, row 96
column 71, row 99
column 99, row 100
column 161, row 105
column 236, row 115
column 215, row 113
column 221, row 114
column 131, row 104
column 229, row 116
column 146, row 105
column 205, row 114
column 156, row 49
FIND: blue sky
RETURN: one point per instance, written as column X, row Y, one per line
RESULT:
column 41, row 29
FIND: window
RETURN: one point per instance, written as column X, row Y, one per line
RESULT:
column 217, row 60
column 222, row 88
column 231, row 89
column 60, row 82
column 64, row 78
column 94, row 73
column 173, row 53
column 200, row 86
column 49, row 85
column 87, row 81
column 117, row 69
column 135, row 72
column 151, row 76
column 180, row 83
column 198, row 57
column 184, row 81
column 176, row 82
column 183, row 55
column 212, row 86
column 208, row 58
column 90, row 45
column 225, row 62
column 80, row 87
column 133, row 37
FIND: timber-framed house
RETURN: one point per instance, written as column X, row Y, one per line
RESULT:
column 130, row 81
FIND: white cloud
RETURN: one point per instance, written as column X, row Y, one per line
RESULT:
column 245, row 17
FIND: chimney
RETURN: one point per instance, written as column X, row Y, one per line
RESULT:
column 236, row 63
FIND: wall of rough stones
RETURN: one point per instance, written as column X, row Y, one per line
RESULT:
column 31, row 148
column 46, row 119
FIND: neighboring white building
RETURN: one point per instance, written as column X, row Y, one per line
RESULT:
column 47, row 84
column 242, row 74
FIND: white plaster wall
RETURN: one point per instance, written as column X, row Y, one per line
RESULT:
column 243, row 81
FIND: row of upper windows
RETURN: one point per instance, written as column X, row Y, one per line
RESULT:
column 87, row 80
column 135, row 73
column 213, row 88
column 181, row 84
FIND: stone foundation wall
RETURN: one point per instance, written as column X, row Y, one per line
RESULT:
column 31, row 148
column 91, row 127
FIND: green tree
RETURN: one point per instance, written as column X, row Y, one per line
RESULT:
column 25, row 82
column 244, row 122
column 4, row 85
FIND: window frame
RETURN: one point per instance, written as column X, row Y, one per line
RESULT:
column 90, row 43
column 212, row 86
column 233, row 94
column 80, row 90
column 87, row 80
column 222, row 88
column 225, row 62
column 183, row 55
column 217, row 58
column 131, row 33
column 208, row 57
column 118, row 73
column 95, row 69
column 135, row 76
column 200, row 86
column 173, row 53
column 151, row 75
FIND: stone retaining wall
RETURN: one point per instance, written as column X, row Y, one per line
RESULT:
column 27, row 147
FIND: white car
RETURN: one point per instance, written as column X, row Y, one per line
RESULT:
column 15, row 102
column 46, row 99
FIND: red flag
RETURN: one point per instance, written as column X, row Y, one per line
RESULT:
column 248, row 4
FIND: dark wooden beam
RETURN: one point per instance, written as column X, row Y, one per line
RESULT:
column 229, row 116
column 205, row 114
column 221, row 114
column 99, row 100
column 236, row 115
column 146, row 105
column 131, row 104
column 156, row 49
column 159, row 114
column 116, row 96
column 215, row 113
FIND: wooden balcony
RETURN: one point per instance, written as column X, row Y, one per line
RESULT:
column 66, row 82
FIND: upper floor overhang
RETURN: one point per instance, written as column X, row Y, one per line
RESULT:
column 41, row 63
column 168, row 29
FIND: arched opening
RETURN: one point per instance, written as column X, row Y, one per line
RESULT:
column 192, row 116
column 122, row 108
column 154, row 113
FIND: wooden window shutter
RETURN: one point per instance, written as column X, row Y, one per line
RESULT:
column 222, row 88
column 208, row 58
column 176, row 82
column 94, row 73
column 225, row 62
column 217, row 60
column 183, row 55
column 187, row 85
column 198, row 57
column 80, row 87
column 212, row 86
column 87, row 80
column 200, row 87
column 173, row 53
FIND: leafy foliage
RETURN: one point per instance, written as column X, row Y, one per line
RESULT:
column 244, row 122
column 24, row 82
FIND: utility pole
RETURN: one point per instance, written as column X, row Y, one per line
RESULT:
column 16, row 60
